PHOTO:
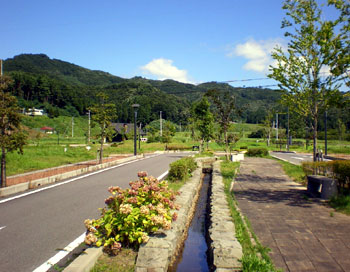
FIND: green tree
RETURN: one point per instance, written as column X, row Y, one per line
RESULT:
column 224, row 106
column 11, row 136
column 204, row 120
column 268, row 127
column 103, row 113
column 301, row 70
column 340, row 65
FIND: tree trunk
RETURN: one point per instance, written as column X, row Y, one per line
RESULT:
column 315, row 139
column 201, row 147
column 101, row 149
column 3, row 168
column 226, row 144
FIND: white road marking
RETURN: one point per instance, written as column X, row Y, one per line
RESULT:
column 298, row 158
column 163, row 175
column 70, row 180
column 60, row 255
column 63, row 253
column 2, row 227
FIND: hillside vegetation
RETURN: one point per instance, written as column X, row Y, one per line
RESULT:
column 62, row 88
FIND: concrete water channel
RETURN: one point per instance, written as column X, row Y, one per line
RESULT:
column 194, row 255
column 203, row 236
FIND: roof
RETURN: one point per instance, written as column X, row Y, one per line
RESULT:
column 129, row 127
column 46, row 128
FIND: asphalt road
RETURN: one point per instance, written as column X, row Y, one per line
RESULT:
column 294, row 158
column 35, row 227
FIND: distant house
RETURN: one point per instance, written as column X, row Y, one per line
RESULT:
column 34, row 112
column 123, row 130
column 47, row 130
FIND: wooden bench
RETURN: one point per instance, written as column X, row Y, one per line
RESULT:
column 321, row 186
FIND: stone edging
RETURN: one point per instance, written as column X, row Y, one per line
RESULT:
column 52, row 179
column 225, row 250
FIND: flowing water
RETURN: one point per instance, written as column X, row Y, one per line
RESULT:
column 194, row 254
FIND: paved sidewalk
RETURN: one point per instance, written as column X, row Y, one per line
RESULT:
column 303, row 234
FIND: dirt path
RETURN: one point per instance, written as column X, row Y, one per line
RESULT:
column 303, row 234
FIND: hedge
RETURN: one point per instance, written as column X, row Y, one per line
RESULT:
column 181, row 169
column 257, row 152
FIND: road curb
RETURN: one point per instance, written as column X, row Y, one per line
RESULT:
column 85, row 261
column 55, row 178
column 283, row 160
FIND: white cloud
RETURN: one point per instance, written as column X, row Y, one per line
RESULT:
column 258, row 53
column 164, row 69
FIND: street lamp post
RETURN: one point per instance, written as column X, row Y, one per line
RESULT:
column 135, row 107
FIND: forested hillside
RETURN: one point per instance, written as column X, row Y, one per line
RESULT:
column 62, row 88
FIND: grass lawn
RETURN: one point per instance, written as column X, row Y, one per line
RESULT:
column 294, row 171
column 124, row 262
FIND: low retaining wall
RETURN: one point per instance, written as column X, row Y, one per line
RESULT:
column 52, row 179
column 225, row 250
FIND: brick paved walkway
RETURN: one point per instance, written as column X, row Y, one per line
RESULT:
column 303, row 234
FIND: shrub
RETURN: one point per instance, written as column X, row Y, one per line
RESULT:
column 182, row 169
column 177, row 147
column 319, row 168
column 243, row 147
column 336, row 169
column 257, row 134
column 257, row 152
column 341, row 171
column 132, row 214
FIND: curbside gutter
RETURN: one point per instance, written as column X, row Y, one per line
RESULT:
column 52, row 179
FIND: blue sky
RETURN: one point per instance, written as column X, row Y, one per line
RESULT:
column 186, row 40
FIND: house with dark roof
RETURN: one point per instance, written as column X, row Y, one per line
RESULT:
column 124, row 130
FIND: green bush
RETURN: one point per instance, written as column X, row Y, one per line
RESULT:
column 339, row 170
column 177, row 147
column 181, row 169
column 243, row 147
column 132, row 214
column 317, row 168
column 257, row 152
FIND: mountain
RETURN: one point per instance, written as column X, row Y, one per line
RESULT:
column 62, row 88
column 58, row 69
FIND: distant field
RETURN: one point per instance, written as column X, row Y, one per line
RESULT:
column 44, row 151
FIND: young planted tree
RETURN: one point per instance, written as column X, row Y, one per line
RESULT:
column 11, row 136
column 341, row 65
column 203, row 120
column 224, row 105
column 103, row 113
column 268, row 127
column 302, row 70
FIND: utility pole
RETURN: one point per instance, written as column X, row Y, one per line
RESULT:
column 288, row 139
column 160, row 122
column 1, row 67
column 276, row 126
column 89, row 131
column 325, row 132
column 72, row 127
